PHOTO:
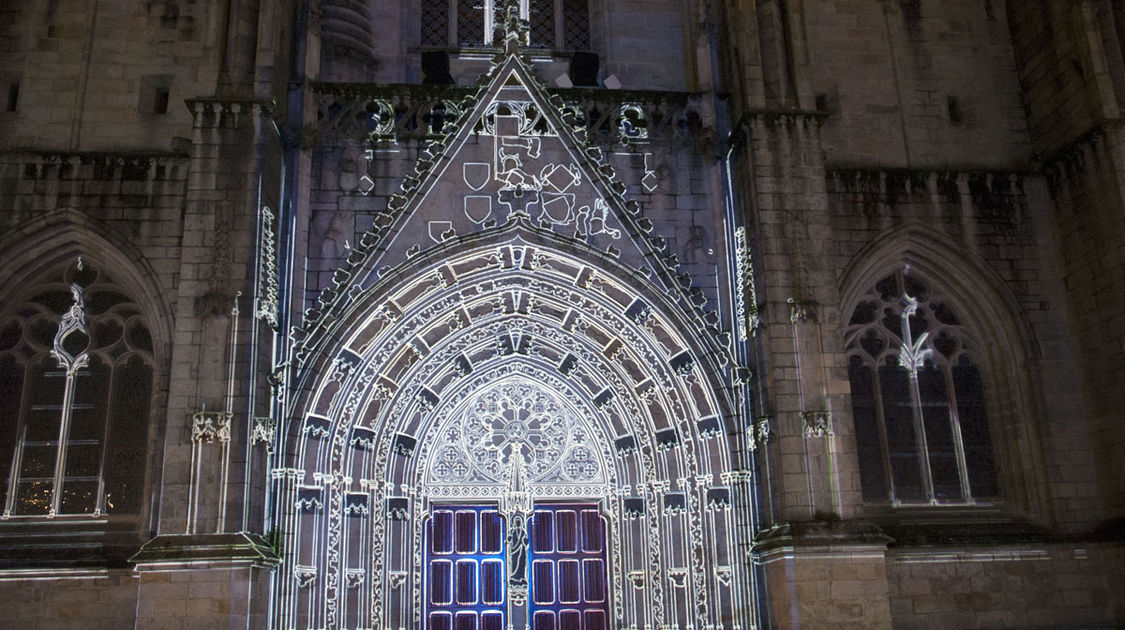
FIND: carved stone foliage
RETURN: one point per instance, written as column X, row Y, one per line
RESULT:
column 210, row 426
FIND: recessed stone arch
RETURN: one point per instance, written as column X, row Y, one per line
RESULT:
column 517, row 305
column 1005, row 344
column 80, row 282
column 53, row 241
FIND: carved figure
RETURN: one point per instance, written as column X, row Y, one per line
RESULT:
column 517, row 551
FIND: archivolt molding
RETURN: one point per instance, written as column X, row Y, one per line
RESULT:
column 566, row 305
column 417, row 321
column 412, row 354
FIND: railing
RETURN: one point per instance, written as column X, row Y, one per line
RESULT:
column 379, row 112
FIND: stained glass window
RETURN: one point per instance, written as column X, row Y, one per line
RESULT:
column 576, row 24
column 475, row 21
column 435, row 22
column 541, row 17
column 470, row 22
column 918, row 398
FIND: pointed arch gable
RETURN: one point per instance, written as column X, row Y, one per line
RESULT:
column 1004, row 335
column 55, row 240
column 510, row 256
column 519, row 237
column 504, row 261
column 517, row 155
column 988, row 302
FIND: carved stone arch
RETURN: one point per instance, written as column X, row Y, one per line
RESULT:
column 1004, row 338
column 50, row 242
column 511, row 303
column 319, row 351
column 988, row 304
column 121, row 370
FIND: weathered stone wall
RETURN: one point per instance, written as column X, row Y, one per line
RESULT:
column 1063, row 68
column 916, row 84
column 90, row 72
column 133, row 199
column 790, row 236
column 995, row 221
column 827, row 584
column 1049, row 586
column 1071, row 68
column 105, row 602
column 202, row 598
column 99, row 158
column 645, row 45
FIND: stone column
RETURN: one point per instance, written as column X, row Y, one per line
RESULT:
column 203, row 565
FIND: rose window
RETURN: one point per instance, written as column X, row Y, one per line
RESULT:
column 480, row 441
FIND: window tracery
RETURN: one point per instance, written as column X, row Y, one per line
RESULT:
column 918, row 398
column 554, row 24
column 76, row 373
column 478, row 444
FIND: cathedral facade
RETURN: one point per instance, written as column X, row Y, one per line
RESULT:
column 562, row 314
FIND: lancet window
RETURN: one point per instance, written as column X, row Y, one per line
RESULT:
column 76, row 377
column 554, row 24
column 918, row 398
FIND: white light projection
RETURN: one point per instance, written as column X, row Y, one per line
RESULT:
column 543, row 332
column 477, row 445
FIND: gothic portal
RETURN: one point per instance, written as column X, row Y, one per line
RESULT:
column 562, row 314
column 511, row 411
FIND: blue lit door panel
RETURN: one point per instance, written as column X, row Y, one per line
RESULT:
column 465, row 573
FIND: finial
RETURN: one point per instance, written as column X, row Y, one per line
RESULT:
column 516, row 29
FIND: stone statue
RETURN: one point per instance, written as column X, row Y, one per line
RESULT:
column 519, row 507
column 517, row 551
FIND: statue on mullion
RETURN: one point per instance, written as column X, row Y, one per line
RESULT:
column 518, row 509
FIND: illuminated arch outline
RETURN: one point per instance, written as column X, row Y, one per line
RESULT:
column 507, row 306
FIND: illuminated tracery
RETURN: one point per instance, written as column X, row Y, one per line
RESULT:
column 76, row 381
column 477, row 445
column 918, row 398
column 533, row 392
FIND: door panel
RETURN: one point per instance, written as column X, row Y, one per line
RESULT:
column 568, row 560
column 465, row 568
